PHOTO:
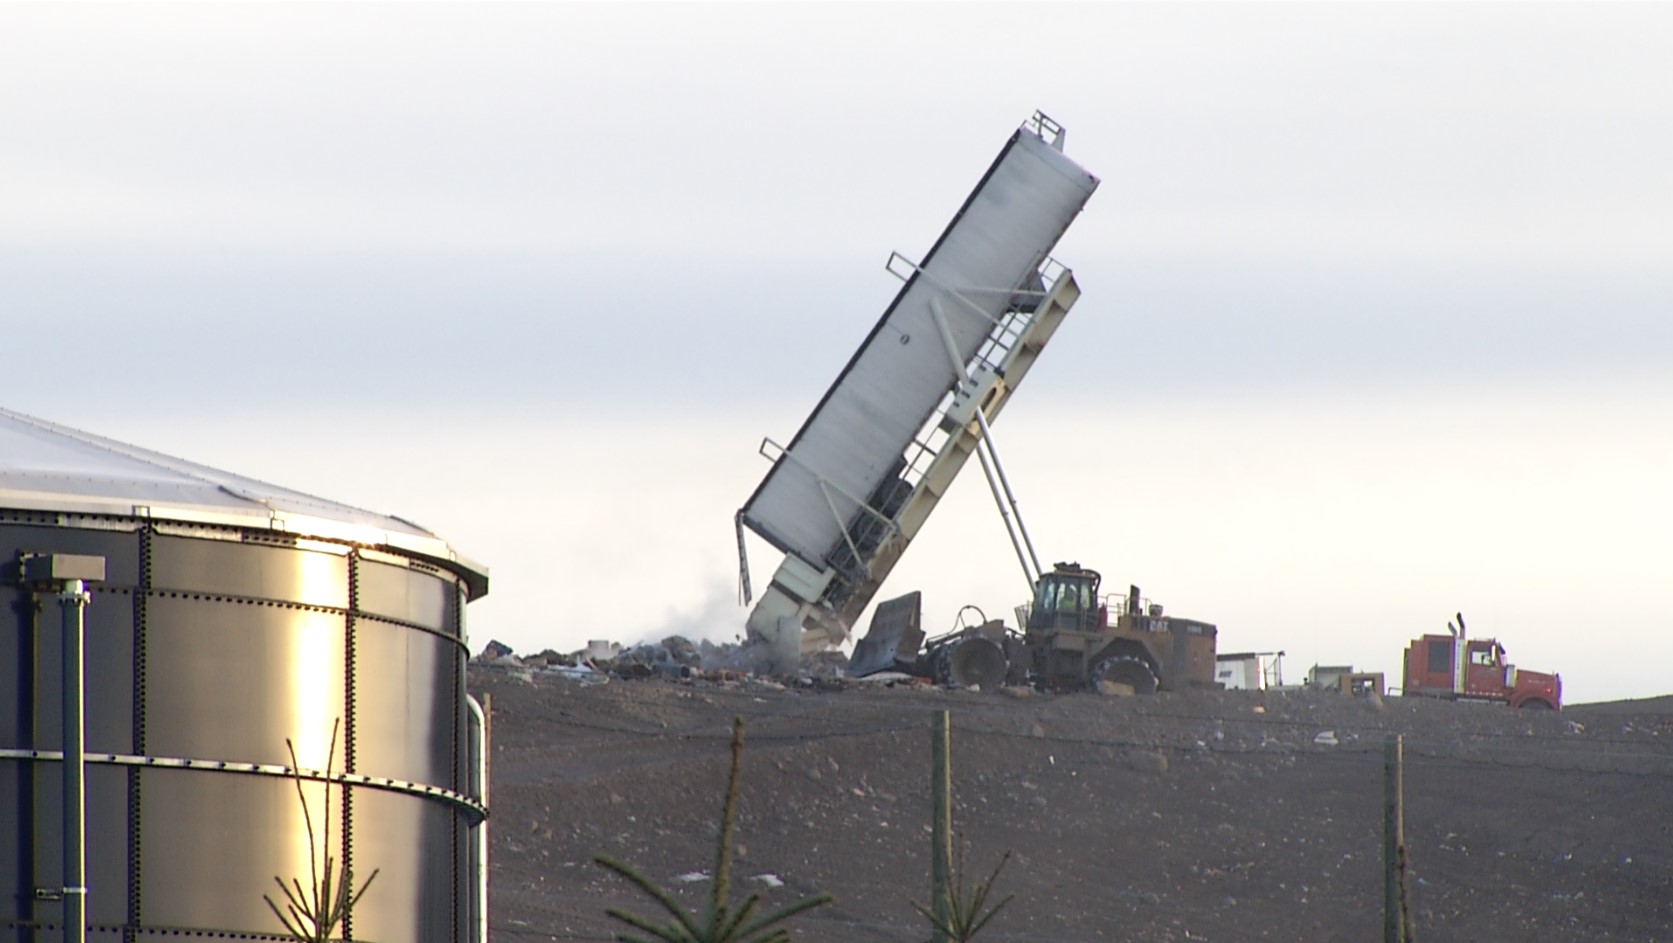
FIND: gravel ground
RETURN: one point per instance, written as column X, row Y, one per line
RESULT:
column 1220, row 816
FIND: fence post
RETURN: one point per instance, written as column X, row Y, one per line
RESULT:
column 1395, row 926
column 941, row 826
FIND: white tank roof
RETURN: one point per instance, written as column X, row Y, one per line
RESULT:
column 48, row 467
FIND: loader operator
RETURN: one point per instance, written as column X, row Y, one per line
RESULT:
column 1072, row 597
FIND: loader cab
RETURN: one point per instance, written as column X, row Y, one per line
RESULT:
column 1067, row 599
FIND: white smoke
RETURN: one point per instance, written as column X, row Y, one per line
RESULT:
column 716, row 619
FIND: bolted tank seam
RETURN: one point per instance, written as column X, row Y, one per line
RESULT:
column 130, row 930
column 260, row 769
column 199, row 596
column 136, row 776
column 351, row 623
column 245, row 600
column 232, row 533
column 104, row 522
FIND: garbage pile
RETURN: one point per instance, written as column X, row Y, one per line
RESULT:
column 675, row 658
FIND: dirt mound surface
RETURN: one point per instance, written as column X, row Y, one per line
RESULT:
column 1206, row 816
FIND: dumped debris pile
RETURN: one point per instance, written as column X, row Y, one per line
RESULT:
column 674, row 658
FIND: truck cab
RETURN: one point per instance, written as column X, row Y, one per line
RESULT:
column 1460, row 668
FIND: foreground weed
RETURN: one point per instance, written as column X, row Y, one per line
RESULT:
column 719, row 923
column 969, row 912
column 313, row 914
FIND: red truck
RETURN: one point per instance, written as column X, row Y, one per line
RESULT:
column 1460, row 668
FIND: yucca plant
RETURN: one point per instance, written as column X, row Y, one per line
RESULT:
column 719, row 922
column 312, row 914
column 968, row 911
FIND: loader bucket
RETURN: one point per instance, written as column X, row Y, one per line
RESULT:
column 891, row 644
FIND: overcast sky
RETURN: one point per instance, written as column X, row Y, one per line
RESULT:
column 1375, row 327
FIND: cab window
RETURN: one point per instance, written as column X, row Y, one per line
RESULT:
column 1440, row 656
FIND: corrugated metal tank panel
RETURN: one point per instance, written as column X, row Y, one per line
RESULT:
column 207, row 647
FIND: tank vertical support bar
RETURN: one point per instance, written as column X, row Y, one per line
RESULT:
column 459, row 930
column 480, row 747
column 350, row 735
column 72, row 605
column 136, row 775
column 941, row 826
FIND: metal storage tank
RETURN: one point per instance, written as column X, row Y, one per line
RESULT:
column 232, row 615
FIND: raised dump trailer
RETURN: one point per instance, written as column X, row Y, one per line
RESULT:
column 846, row 497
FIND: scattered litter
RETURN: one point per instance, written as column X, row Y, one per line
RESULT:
column 1326, row 738
column 884, row 677
column 771, row 880
column 583, row 673
column 692, row 877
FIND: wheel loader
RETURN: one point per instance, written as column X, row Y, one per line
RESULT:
column 1073, row 639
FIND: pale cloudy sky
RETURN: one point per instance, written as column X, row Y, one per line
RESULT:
column 1376, row 322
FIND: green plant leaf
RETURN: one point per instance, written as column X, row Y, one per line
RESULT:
column 968, row 911
column 671, row 931
column 785, row 913
column 650, row 888
column 718, row 923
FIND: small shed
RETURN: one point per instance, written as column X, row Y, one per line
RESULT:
column 1249, row 671
column 1328, row 676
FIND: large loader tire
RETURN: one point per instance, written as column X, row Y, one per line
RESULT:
column 978, row 663
column 1124, row 669
column 972, row 662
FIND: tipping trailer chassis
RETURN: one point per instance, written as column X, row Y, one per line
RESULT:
column 795, row 612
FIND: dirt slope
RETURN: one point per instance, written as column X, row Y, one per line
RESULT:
column 1203, row 816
